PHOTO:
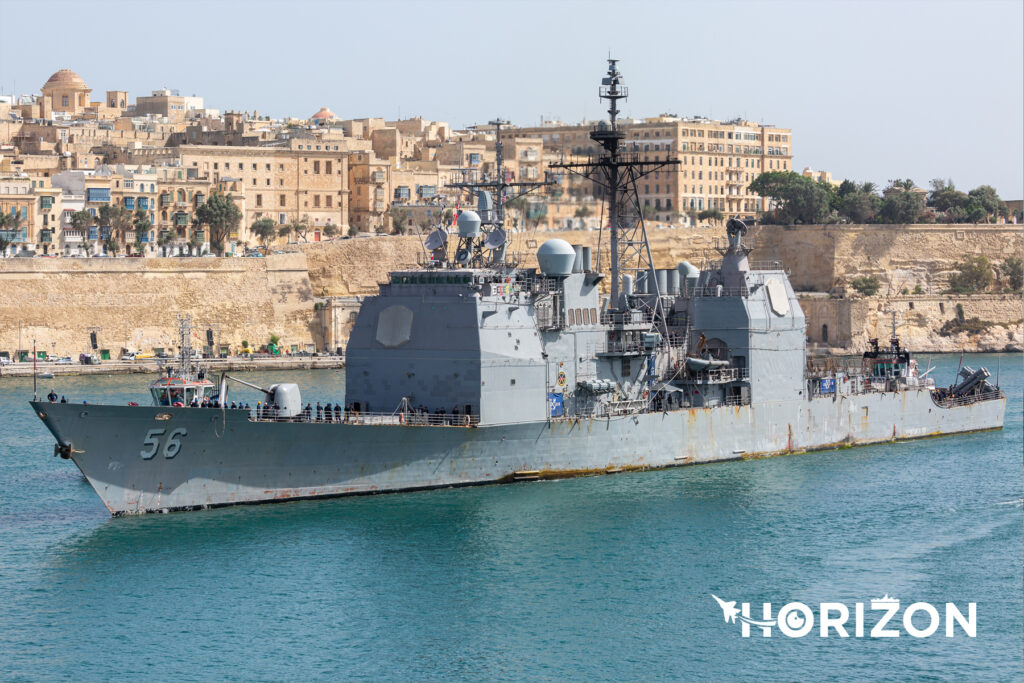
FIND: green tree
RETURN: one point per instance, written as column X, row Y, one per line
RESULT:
column 9, row 224
column 713, row 215
column 1013, row 269
column 221, row 216
column 80, row 221
column 797, row 199
column 265, row 230
column 165, row 238
column 859, row 206
column 868, row 286
column 300, row 228
column 986, row 197
column 195, row 243
column 285, row 230
column 846, row 187
column 330, row 231
column 900, row 204
column 118, row 221
column 944, row 196
column 974, row 274
column 583, row 212
column 141, row 225
column 399, row 218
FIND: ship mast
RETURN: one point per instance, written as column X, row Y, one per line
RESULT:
column 617, row 171
column 501, row 190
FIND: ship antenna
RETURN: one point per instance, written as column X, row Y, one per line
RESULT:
column 502, row 190
column 618, row 171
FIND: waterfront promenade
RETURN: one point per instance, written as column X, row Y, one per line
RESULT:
column 153, row 365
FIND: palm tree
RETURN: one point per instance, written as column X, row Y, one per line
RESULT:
column 141, row 225
column 119, row 220
column 9, row 224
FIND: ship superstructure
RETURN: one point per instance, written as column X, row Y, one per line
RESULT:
column 473, row 369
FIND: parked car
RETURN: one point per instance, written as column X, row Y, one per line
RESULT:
column 4, row 360
column 144, row 356
column 128, row 355
column 88, row 359
column 64, row 360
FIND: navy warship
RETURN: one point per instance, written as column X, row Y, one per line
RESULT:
column 473, row 369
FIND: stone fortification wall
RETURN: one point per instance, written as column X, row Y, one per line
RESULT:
column 823, row 258
column 133, row 302
column 848, row 323
column 820, row 258
column 354, row 266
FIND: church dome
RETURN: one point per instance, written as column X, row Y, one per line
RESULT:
column 324, row 114
column 65, row 78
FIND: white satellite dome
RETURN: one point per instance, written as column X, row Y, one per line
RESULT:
column 469, row 224
column 556, row 258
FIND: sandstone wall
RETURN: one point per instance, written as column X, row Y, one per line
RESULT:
column 850, row 322
column 134, row 302
column 901, row 256
column 355, row 266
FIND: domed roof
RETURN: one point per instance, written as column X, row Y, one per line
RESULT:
column 324, row 114
column 556, row 258
column 66, row 78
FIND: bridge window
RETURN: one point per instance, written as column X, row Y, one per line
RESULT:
column 824, row 333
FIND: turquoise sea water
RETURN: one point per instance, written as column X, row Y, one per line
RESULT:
column 606, row 578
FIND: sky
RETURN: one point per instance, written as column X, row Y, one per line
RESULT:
column 872, row 90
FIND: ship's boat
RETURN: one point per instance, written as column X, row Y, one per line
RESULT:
column 475, row 369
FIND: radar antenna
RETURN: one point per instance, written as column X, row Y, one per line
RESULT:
column 494, row 194
column 617, row 170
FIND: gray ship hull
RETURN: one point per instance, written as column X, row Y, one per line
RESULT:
column 140, row 460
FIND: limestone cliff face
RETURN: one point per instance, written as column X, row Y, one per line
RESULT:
column 823, row 258
column 132, row 303
column 845, row 325
column 353, row 267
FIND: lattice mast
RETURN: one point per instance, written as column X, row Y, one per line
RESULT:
column 617, row 170
column 502, row 191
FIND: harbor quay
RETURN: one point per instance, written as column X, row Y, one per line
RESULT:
column 153, row 366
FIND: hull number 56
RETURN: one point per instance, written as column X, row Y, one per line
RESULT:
column 171, row 445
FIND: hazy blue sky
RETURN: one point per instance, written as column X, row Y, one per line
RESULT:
column 872, row 90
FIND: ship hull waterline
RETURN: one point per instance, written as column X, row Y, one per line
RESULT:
column 153, row 459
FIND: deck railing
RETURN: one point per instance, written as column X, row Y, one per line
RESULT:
column 954, row 401
column 409, row 419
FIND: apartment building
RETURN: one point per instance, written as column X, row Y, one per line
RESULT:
column 718, row 160
column 301, row 181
